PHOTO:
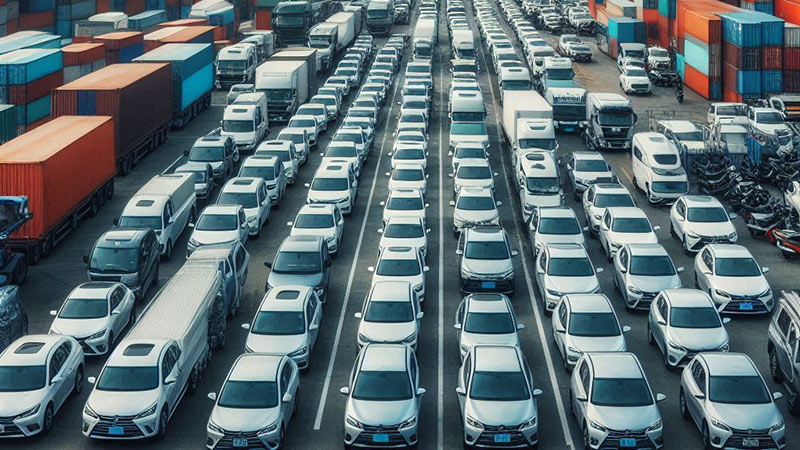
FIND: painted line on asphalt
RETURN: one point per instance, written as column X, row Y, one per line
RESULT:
column 626, row 173
column 440, row 352
column 532, row 297
column 326, row 386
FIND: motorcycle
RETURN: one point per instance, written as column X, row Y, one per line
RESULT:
column 786, row 239
column 679, row 91
column 663, row 77
column 760, row 220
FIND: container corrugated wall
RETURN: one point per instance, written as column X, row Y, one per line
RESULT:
column 192, row 71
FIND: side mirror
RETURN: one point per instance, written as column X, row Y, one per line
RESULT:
column 388, row 173
column 461, row 391
column 599, row 270
column 764, row 269
column 726, row 320
column 660, row 397
column 246, row 326
column 732, row 215
column 457, row 326
column 420, row 315
column 53, row 312
column 380, row 230
column 452, row 203
column 308, row 185
column 498, row 203
column 537, row 392
column 421, row 392
column 287, row 397
column 680, row 269
column 459, row 252
column 171, row 379
column 626, row 329
column 382, row 203
column 115, row 222
column 268, row 264
column 427, row 205
column 344, row 390
column 57, row 379
column 514, row 253
column 656, row 228
column 358, row 315
column 212, row 396
column 91, row 380
column 186, row 153
column 85, row 259
column 520, row 326
column 777, row 395
column 313, row 326
column 426, row 269
column 661, row 322
column 370, row 269
column 580, row 397
column 585, row 228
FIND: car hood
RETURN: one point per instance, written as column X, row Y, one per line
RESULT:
column 302, row 279
column 510, row 414
column 655, row 284
column 381, row 413
column 78, row 328
column 241, row 137
column 741, row 285
column 487, row 267
column 746, row 417
column 773, row 128
column 118, row 403
column 630, row 79
column 710, row 229
column 214, row 237
column 472, row 339
column 572, row 285
column 243, row 419
column 591, row 175
column 461, row 138
column 393, row 184
column 560, row 239
column 633, row 238
column 387, row 332
column 598, row 343
column 413, row 279
column 481, row 183
column 326, row 233
column 16, row 402
column 624, row 418
column 327, row 196
column 282, row 344
column 699, row 338
column 460, row 215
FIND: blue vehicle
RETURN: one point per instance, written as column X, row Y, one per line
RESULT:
column 14, row 213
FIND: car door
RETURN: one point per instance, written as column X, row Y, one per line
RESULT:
column 541, row 270
column 118, row 311
column 463, row 382
column 242, row 261
column 638, row 166
column 313, row 319
column 170, row 366
column 339, row 220
column 326, row 265
column 533, row 221
column 704, row 269
column 243, row 228
column 620, row 269
column 695, row 398
column 167, row 221
column 660, row 319
column 560, row 320
column 787, row 355
column 581, row 387
column 679, row 218
column 605, row 227
column 263, row 202
column 61, row 374
column 461, row 317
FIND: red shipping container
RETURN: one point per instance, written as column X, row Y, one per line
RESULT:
column 34, row 21
column 788, row 10
column 742, row 58
column 773, row 58
column 191, row 35
column 43, row 164
column 219, row 34
column 22, row 94
column 77, row 54
column 264, row 19
column 137, row 95
column 663, row 31
column 119, row 39
column 696, row 81
column 592, row 9
column 12, row 26
column 791, row 59
column 103, row 6
column 133, row 7
column 184, row 23
column 730, row 96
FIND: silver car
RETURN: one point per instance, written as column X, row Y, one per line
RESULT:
column 401, row 264
column 625, row 225
column 474, row 207
column 733, row 279
column 684, row 322
column 404, row 231
column 320, row 219
column 726, row 397
column 564, row 269
column 391, row 314
column 497, row 399
column 586, row 168
column 219, row 224
column 613, row 403
column 383, row 398
column 641, row 271
column 600, row 196
column 486, row 260
column 586, row 323
column 486, row 319
column 554, row 225
column 255, row 403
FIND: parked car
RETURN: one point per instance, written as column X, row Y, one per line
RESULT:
column 219, row 224
column 601, row 196
column 486, row 260
column 784, row 354
column 13, row 318
column 320, row 219
column 697, row 220
column 733, row 279
column 401, row 264
column 486, row 319
column 301, row 260
column 391, row 314
column 625, row 225
column 126, row 255
column 641, row 271
column 563, row 269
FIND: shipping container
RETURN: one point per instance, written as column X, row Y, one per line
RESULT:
column 147, row 20
column 27, row 65
column 194, row 22
column 77, row 54
column 138, row 96
column 28, row 39
column 179, row 35
column 8, row 123
column 66, row 168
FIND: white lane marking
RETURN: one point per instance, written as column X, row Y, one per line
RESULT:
column 535, row 306
column 326, row 386
column 440, row 355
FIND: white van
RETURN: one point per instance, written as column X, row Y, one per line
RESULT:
column 657, row 170
column 167, row 204
column 254, row 98
column 245, row 124
column 538, row 181
column 334, row 183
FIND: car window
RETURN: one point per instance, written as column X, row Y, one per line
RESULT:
column 680, row 208
column 623, row 257
column 707, row 259
column 562, row 314
column 783, row 322
column 242, row 218
column 467, row 368
column 584, row 375
column 699, row 376
column 662, row 307
column 240, row 257
column 309, row 312
column 607, row 220
column 56, row 362
column 590, row 195
column 116, row 298
column 286, row 375
column 166, row 365
column 543, row 261
column 412, row 364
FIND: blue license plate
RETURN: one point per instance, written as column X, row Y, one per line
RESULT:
column 627, row 442
column 380, row 437
column 569, row 129
column 746, row 306
column 503, row 438
column 116, row 431
column 240, row 442
column 488, row 284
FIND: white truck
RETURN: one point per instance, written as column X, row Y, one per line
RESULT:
column 528, row 123
column 556, row 72
column 286, row 85
column 324, row 37
column 569, row 108
column 167, row 204
column 236, row 64
column 610, row 120
column 426, row 30
column 246, row 124
column 514, row 79
column 162, row 358
column 463, row 43
column 346, row 21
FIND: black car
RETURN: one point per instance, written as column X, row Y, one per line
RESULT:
column 13, row 319
column 126, row 255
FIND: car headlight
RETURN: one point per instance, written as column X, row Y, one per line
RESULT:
column 597, row 426
column 675, row 346
column 654, row 426
column 767, row 293
column 364, row 338
column 777, row 426
column 692, row 235
column 474, row 423
column 355, row 423
column 574, row 350
column 529, row 423
column 97, row 335
column 28, row 412
column 193, row 242
column 147, row 412
column 214, row 427
column 722, row 293
column 411, row 338
column 554, row 293
column 252, row 219
column 580, row 181
column 725, row 347
column 300, row 351
column 268, row 429
column 598, row 216
column 615, row 245
column 733, row 236
column 633, row 290
column 409, row 423
column 719, row 424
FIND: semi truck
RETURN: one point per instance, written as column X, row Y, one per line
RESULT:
column 292, row 20
column 528, row 122
column 569, row 107
column 610, row 120
column 236, row 64
column 380, row 17
column 346, row 21
column 286, row 86
column 324, row 37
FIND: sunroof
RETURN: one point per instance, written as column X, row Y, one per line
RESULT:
column 138, row 350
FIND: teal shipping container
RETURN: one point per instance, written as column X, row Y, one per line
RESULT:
column 29, row 39
column 147, row 20
column 27, row 65
column 192, row 71
column 8, row 123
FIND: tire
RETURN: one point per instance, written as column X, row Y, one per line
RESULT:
column 168, row 254
column 194, row 382
column 586, row 445
column 20, row 272
column 774, row 367
column 706, row 441
column 154, row 283
column 162, row 424
column 78, row 388
column 47, row 420
column 110, row 343
column 280, row 440
column 684, row 408
column 650, row 339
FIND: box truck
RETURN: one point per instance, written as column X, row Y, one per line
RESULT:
column 528, row 122
column 346, row 21
column 380, row 17
column 286, row 86
column 324, row 38
column 307, row 54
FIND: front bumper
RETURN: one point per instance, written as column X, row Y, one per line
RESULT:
column 242, row 439
column 612, row 439
column 472, row 285
column 11, row 427
column 500, row 436
column 695, row 243
column 94, row 347
column 120, row 427
column 729, row 438
column 743, row 304
column 664, row 198
column 372, row 437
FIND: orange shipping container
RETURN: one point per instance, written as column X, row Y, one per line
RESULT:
column 59, row 166
column 184, row 23
column 696, row 80
column 788, row 10
column 119, row 39
column 77, row 54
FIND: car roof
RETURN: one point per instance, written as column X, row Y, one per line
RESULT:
column 626, row 212
column 400, row 252
column 275, row 144
column 701, row 200
column 221, row 209
column 332, row 169
column 255, row 367
column 384, row 357
column 646, row 249
column 405, row 192
column 285, row 298
column 485, row 234
column 469, row 191
column 260, row 161
column 655, row 143
column 556, row 211
column 615, row 365
column 474, row 162
column 29, row 350
column 409, row 166
column 687, row 298
column 730, row 251
column 303, row 243
column 588, row 155
column 566, row 250
column 496, row 358
column 137, row 352
column 317, row 208
column 589, row 303
column 390, row 291
column 123, row 237
column 730, row 364
column 487, row 303
column 242, row 184
column 92, row 289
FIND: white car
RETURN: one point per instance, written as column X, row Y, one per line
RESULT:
column 401, row 264
column 318, row 110
column 408, row 176
column 391, row 314
column 320, row 219
column 404, row 231
column 466, row 151
column 733, row 279
column 255, row 403
column 563, row 269
column 473, row 173
column 633, row 80
column 625, row 225
column 37, row 375
column 641, row 271
column 601, row 196
column 252, row 194
column 310, row 124
column 486, row 319
column 586, row 323
column 554, row 225
column 95, row 314
column 343, row 151
column 697, row 220
column 219, row 224
column 474, row 207
column 415, row 137
column 404, row 202
column 410, row 154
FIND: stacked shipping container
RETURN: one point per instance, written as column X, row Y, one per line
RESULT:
column 220, row 14
column 178, row 9
column 147, row 21
column 82, row 59
column 29, row 39
column 26, row 78
column 122, row 46
column 263, row 16
column 791, row 58
column 37, row 15
column 179, row 35
column 69, row 12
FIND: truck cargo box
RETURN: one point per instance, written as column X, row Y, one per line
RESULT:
column 309, row 55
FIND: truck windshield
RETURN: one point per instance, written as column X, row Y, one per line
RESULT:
column 560, row 74
column 249, row 394
column 153, row 222
column 216, row 222
column 114, row 259
column 517, row 85
column 468, row 128
column 22, row 378
column 267, row 173
column 690, row 136
column 319, row 42
column 376, row 13
column 246, row 199
column 616, row 119
column 542, row 186
column 635, row 54
column 84, row 308
column 279, row 94
column 544, row 144
column 770, row 118
column 127, row 379
column 237, row 126
column 205, row 154
column 232, row 64
column 289, row 20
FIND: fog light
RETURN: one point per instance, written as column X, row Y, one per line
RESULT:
column 593, row 441
column 148, row 429
column 85, row 426
column 469, row 438
column 413, row 438
column 101, row 348
column 347, row 437
column 716, row 440
column 671, row 359
column 33, row 427
column 209, row 442
column 660, row 440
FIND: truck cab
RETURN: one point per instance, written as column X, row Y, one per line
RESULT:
column 323, row 37
column 218, row 151
column 733, row 112
column 236, row 64
column 569, row 107
column 380, row 17
column 291, row 21
column 610, row 120
column 514, row 79
column 467, row 106
column 246, row 124
column 262, row 43
column 557, row 72
column 423, row 49
column 125, row 255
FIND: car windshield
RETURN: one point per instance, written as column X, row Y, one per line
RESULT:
column 231, row 64
column 327, row 100
column 265, row 172
column 246, row 199
column 666, row 159
column 404, row 204
column 84, row 308
column 249, row 394
column 621, row 392
column 382, row 385
column 542, row 185
column 216, row 222
column 690, row 136
column 409, row 154
column 341, row 151
column 475, row 203
column 631, row 225
column 408, row 175
column 314, row 221
column 499, row 386
column 493, row 250
column 302, row 123
column 237, row 126
column 111, row 259
column 389, row 312
column 652, row 265
column 412, row 118
column 559, row 225
column 468, row 128
column 517, row 85
column 415, row 91
column 356, row 138
column 685, row 317
column 279, row 323
column 670, row 187
column 403, row 231
column 297, row 262
column 738, row 389
column 410, row 137
column 153, row 222
column 398, row 267
column 311, row 111
column 634, row 72
column 570, row 267
column 736, row 267
column 489, row 323
column 470, row 153
column 731, row 110
column 594, row 324
column 283, row 155
column 561, row 74
column 591, row 165
column 127, row 378
column 707, row 215
column 22, row 378
column 297, row 138
column 610, row 200
column 466, row 172
column 537, row 143
column 205, row 154
column 199, row 175
column 329, row 184
column 771, row 118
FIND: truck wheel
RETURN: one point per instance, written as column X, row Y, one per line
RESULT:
column 110, row 190
column 95, row 206
column 20, row 272
column 774, row 368
column 47, row 242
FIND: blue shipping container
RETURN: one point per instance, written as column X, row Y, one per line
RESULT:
column 192, row 70
column 771, row 28
column 741, row 29
column 156, row 4
column 77, row 10
column 29, row 39
column 196, row 86
column 695, row 53
column 33, row 111
column 24, row 66
column 129, row 53
column 147, row 19
column 667, row 8
column 627, row 30
column 771, row 81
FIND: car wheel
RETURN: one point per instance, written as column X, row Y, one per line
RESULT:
column 774, row 368
column 162, row 424
column 47, row 420
column 110, row 343
column 168, row 253
column 78, row 381
column 682, row 404
column 650, row 339
column 706, row 441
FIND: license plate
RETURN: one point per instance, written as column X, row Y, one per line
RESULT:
column 240, row 442
column 627, row 442
column 380, row 437
column 750, row 442
column 746, row 306
column 503, row 438
column 116, row 431
column 488, row 284
column 569, row 129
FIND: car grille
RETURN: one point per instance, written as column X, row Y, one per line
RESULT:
column 736, row 440
column 640, row 87
column 129, row 429
column 226, row 442
column 9, row 428
column 366, row 436
column 612, row 133
column 710, row 240
column 613, row 439
column 114, row 278
column 733, row 305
